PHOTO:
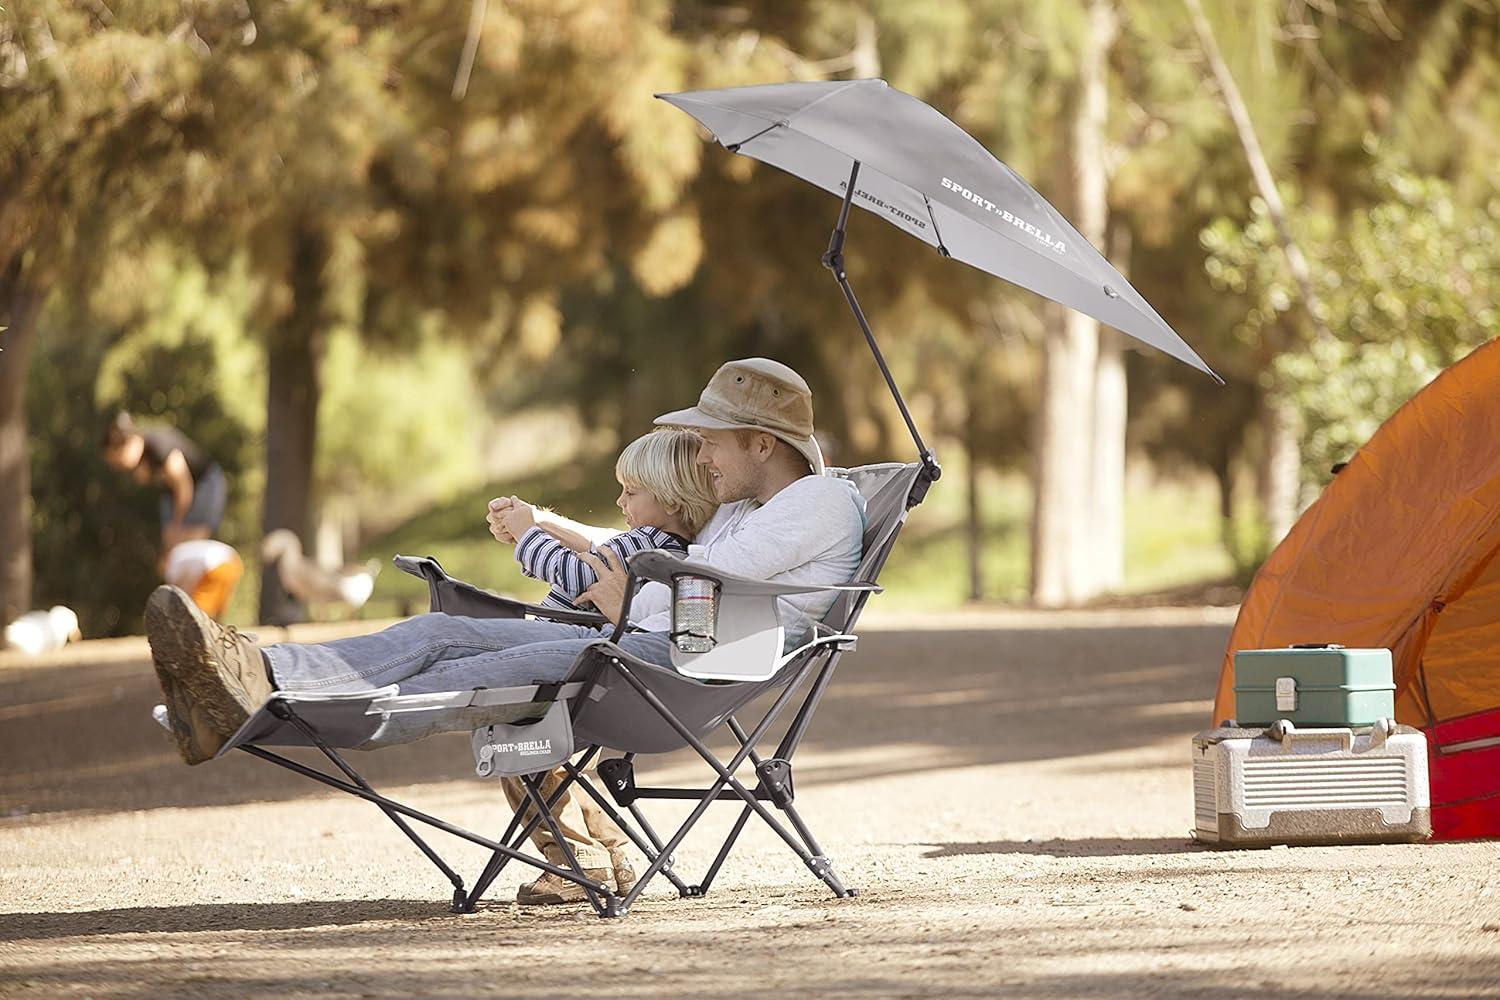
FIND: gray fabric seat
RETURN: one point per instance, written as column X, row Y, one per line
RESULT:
column 620, row 718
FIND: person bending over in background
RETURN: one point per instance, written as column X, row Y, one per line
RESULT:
column 193, row 486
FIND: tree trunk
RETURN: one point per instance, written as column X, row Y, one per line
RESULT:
column 1059, row 528
column 865, row 59
column 1281, row 463
column 1260, row 170
column 1224, row 476
column 1065, row 551
column 1110, row 397
column 293, row 354
column 975, row 525
column 20, row 304
column 1108, row 494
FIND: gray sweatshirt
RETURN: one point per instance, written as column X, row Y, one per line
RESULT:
column 810, row 532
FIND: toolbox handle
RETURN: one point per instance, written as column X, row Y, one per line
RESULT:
column 1287, row 733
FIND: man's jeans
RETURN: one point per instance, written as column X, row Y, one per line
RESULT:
column 438, row 652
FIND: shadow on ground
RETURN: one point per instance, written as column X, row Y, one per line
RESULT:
column 80, row 737
column 216, row 917
column 1086, row 847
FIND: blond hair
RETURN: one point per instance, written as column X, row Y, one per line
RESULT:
column 664, row 463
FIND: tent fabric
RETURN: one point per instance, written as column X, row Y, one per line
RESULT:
column 1400, row 552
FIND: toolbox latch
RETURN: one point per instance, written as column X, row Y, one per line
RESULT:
column 1286, row 694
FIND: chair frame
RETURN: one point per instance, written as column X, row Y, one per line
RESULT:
column 601, row 661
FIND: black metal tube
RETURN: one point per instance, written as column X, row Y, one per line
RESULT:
column 544, row 810
column 725, row 772
column 922, row 451
column 408, row 811
column 793, row 736
column 739, row 734
column 296, row 720
column 642, row 844
column 834, row 261
column 497, row 862
column 723, row 854
column 835, row 255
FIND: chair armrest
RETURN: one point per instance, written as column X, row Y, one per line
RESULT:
column 663, row 567
column 458, row 597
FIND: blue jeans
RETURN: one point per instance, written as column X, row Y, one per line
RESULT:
column 438, row 652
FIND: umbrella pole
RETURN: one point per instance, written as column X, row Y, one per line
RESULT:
column 834, row 261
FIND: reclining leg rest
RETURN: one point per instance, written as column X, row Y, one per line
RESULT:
column 359, row 788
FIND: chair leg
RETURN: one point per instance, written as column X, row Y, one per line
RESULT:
column 818, row 865
column 498, row 861
column 723, row 854
column 459, row 896
column 651, row 847
column 385, row 804
column 604, row 901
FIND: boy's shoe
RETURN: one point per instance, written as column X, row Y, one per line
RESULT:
column 624, row 873
column 552, row 890
column 213, row 677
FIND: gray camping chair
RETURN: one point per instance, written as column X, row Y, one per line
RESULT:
column 613, row 701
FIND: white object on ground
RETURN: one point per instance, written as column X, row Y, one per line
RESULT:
column 39, row 631
column 189, row 561
column 311, row 583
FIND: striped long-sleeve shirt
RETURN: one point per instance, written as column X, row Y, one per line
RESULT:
column 543, row 557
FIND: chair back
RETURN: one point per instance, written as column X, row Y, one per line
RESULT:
column 616, row 716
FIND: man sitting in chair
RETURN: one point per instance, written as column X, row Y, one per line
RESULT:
column 780, row 518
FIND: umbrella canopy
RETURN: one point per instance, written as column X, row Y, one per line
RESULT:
column 930, row 178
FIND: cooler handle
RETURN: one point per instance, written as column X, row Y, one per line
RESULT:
column 1315, row 645
column 1285, row 731
column 1288, row 734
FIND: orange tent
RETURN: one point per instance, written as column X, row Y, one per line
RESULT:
column 1400, row 552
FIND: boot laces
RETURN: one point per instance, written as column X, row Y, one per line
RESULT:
column 229, row 637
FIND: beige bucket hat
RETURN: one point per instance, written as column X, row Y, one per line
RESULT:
column 756, row 394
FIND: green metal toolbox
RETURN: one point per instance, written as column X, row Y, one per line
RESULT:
column 1323, row 685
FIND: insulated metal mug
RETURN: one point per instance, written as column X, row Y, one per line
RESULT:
column 695, row 612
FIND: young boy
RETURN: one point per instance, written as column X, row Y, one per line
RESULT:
column 666, row 496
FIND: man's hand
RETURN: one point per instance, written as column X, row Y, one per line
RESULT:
column 495, row 516
column 608, row 592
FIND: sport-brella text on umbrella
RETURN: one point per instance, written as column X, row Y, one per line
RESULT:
column 907, row 163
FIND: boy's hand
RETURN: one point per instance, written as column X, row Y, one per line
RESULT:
column 518, row 518
column 495, row 517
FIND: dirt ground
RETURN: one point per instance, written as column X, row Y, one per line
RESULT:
column 1011, row 792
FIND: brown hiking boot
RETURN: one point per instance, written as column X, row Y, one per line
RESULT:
column 213, row 677
column 198, row 739
column 552, row 890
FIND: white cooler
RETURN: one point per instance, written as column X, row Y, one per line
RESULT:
column 1285, row 785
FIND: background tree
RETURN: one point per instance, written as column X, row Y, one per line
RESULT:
column 90, row 104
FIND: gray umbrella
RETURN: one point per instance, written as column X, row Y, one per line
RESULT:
column 923, row 174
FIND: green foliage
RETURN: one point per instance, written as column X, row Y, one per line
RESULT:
column 1409, row 286
column 96, row 532
column 221, row 176
column 397, row 429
